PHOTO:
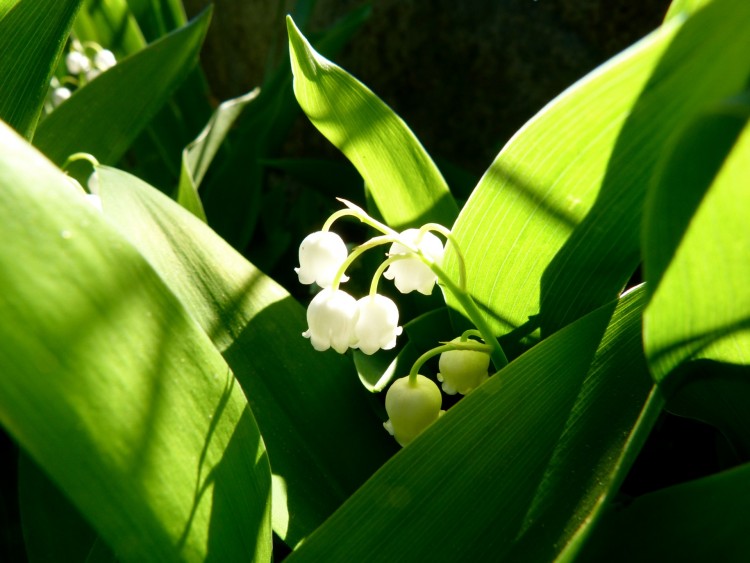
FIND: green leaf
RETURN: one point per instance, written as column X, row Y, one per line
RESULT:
column 32, row 36
column 323, row 439
column 111, row 24
column 695, row 241
column 552, row 230
column 519, row 469
column 406, row 185
column 684, row 8
column 110, row 386
column 104, row 117
column 198, row 155
column 703, row 520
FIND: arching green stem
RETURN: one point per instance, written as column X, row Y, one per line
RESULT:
column 469, row 345
column 470, row 332
column 451, row 239
column 356, row 211
column 499, row 359
column 379, row 272
column 90, row 158
column 356, row 253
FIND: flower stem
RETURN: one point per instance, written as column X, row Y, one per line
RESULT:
column 499, row 359
column 379, row 272
column 451, row 239
column 447, row 347
column 356, row 253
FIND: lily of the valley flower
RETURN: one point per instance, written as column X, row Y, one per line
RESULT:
column 377, row 324
column 462, row 370
column 331, row 318
column 59, row 95
column 320, row 256
column 410, row 274
column 77, row 62
column 412, row 406
column 104, row 60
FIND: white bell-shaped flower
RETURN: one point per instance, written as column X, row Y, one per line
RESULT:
column 77, row 62
column 104, row 59
column 331, row 318
column 410, row 274
column 412, row 407
column 321, row 254
column 59, row 95
column 462, row 371
column 377, row 324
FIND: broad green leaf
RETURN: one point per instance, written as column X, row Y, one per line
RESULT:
column 552, row 229
column 32, row 35
column 684, row 7
column 519, row 469
column 695, row 239
column 702, row 520
column 109, row 23
column 105, row 116
column 323, row 439
column 405, row 183
column 198, row 155
column 110, row 386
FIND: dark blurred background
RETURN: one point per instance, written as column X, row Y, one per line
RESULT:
column 463, row 75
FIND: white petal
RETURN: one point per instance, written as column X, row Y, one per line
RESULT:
column 321, row 254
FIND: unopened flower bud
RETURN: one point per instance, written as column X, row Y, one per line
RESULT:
column 331, row 318
column 377, row 324
column 410, row 274
column 463, row 370
column 412, row 407
column 321, row 254
column 77, row 62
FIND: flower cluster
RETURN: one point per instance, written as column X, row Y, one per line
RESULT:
column 83, row 63
column 337, row 320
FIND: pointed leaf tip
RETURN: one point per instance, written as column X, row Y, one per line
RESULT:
column 303, row 56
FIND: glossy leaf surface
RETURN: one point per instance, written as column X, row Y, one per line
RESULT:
column 322, row 437
column 112, row 388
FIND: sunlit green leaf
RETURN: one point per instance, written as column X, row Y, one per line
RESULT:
column 683, row 8
column 519, row 469
column 696, row 240
column 110, row 386
column 104, row 117
column 552, row 229
column 32, row 35
column 323, row 440
column 404, row 182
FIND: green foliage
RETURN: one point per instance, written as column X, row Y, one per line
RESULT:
column 163, row 404
column 32, row 34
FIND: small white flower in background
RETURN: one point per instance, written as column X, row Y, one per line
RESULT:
column 331, row 317
column 463, row 370
column 411, row 407
column 321, row 254
column 59, row 95
column 77, row 62
column 377, row 324
column 410, row 274
column 93, row 73
column 104, row 60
